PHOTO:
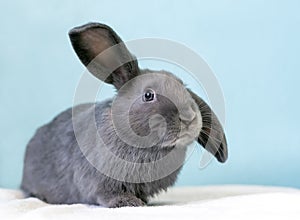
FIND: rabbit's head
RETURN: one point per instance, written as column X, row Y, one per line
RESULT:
column 149, row 104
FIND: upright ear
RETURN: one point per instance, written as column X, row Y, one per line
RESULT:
column 211, row 136
column 116, row 65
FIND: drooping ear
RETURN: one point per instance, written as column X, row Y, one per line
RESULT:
column 211, row 136
column 112, row 65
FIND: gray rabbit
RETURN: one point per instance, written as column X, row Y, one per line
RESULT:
column 88, row 154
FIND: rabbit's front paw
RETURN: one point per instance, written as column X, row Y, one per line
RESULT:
column 125, row 200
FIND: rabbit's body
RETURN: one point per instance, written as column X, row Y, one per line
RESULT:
column 71, row 178
column 121, row 151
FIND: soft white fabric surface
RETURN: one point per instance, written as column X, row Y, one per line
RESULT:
column 210, row 202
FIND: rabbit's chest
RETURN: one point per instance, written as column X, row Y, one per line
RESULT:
column 149, row 189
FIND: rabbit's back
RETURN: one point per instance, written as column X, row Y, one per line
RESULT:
column 53, row 161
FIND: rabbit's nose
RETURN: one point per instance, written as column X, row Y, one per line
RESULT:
column 187, row 115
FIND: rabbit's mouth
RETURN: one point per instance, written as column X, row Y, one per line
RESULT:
column 182, row 139
column 179, row 141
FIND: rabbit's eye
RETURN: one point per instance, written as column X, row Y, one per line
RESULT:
column 149, row 95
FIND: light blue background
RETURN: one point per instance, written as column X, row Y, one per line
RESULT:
column 252, row 46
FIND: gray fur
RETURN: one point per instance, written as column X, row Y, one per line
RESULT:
column 56, row 169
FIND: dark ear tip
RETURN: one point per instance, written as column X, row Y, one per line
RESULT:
column 222, row 159
column 222, row 154
column 90, row 25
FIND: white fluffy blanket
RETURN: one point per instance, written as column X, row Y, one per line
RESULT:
column 205, row 203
